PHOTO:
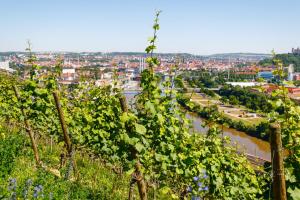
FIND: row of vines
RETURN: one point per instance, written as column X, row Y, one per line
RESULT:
column 151, row 141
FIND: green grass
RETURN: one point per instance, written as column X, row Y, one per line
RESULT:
column 96, row 181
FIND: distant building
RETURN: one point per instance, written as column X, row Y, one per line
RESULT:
column 296, row 51
column 243, row 84
column 265, row 75
column 297, row 76
column 293, row 90
column 290, row 72
column 108, row 75
column 68, row 74
column 269, row 88
column 142, row 64
column 4, row 66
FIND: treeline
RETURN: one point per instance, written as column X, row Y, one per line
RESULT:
column 220, row 77
column 237, row 95
column 212, row 113
column 287, row 59
column 203, row 83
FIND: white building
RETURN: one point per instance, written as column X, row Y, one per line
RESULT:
column 244, row 84
column 108, row 75
column 68, row 74
column 5, row 66
column 291, row 72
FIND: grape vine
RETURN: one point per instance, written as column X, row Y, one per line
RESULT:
column 152, row 142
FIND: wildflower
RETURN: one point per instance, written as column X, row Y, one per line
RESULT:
column 195, row 178
column 199, row 184
column 195, row 198
column 26, row 188
column 205, row 176
column 205, row 188
column 12, row 184
column 29, row 182
column 37, row 190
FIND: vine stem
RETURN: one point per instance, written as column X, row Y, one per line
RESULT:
column 65, row 132
column 279, row 186
column 28, row 128
column 137, row 176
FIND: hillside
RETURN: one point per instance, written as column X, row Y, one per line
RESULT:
column 287, row 59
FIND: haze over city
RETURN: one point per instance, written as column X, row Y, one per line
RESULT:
column 195, row 26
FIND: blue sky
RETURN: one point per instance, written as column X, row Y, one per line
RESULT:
column 192, row 26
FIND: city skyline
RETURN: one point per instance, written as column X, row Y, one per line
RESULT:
column 196, row 27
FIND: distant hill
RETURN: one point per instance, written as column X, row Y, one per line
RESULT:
column 287, row 59
column 255, row 56
column 243, row 56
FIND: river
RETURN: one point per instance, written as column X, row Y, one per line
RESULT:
column 245, row 143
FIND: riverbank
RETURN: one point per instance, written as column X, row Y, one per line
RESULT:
column 244, row 142
column 256, row 130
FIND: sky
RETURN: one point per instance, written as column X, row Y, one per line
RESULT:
column 199, row 27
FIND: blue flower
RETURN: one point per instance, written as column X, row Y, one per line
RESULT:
column 205, row 176
column 26, row 188
column 12, row 180
column 195, row 178
column 29, row 182
column 37, row 190
column 205, row 188
column 189, row 189
column 12, row 184
column 195, row 198
column 199, row 184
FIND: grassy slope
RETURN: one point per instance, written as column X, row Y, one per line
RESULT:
column 96, row 180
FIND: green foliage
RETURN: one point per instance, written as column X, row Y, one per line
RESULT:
column 97, row 181
column 237, row 95
column 286, row 113
column 215, row 78
column 286, row 59
column 10, row 147
column 204, row 81
column 152, row 139
column 179, row 82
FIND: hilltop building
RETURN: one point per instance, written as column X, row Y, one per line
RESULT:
column 296, row 51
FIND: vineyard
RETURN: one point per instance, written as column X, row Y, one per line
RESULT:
column 86, row 142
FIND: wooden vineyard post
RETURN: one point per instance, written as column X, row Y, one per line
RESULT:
column 137, row 176
column 65, row 131
column 28, row 128
column 279, row 188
